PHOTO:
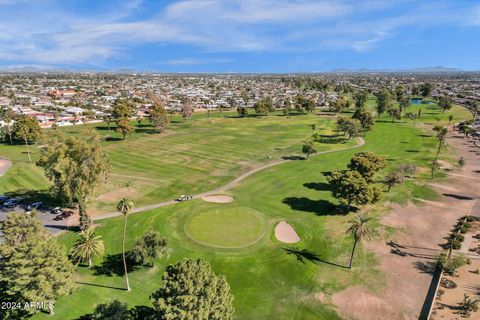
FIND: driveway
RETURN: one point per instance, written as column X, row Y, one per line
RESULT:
column 43, row 215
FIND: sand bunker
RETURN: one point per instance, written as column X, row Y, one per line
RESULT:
column 285, row 233
column 4, row 166
column 218, row 199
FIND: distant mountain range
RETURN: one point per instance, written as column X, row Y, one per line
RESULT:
column 37, row 68
column 418, row 70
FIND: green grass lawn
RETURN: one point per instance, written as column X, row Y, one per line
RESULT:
column 188, row 158
column 226, row 227
column 267, row 282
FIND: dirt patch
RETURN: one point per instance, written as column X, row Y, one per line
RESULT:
column 117, row 195
column 218, row 199
column 449, row 299
column 445, row 165
column 408, row 257
column 285, row 233
column 358, row 300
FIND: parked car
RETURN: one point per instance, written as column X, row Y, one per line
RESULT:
column 63, row 215
column 56, row 210
column 34, row 205
column 12, row 202
column 3, row 198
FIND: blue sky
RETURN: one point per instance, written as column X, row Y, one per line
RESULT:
column 239, row 35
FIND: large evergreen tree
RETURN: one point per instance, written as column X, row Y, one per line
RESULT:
column 192, row 291
column 159, row 117
column 7, row 116
column 33, row 266
column 367, row 164
column 75, row 166
column 349, row 187
column 27, row 129
column 384, row 101
column 122, row 113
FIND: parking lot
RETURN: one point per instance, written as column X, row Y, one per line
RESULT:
column 45, row 213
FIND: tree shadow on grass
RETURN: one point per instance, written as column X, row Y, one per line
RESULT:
column 136, row 313
column 99, row 285
column 318, row 207
column 331, row 139
column 113, row 264
column 319, row 186
column 142, row 313
column 146, row 130
column 31, row 196
column 303, row 254
column 113, row 139
column 104, row 128
column 293, row 158
column 326, row 173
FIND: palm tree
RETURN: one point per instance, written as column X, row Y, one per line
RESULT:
column 441, row 136
column 124, row 206
column 450, row 118
column 359, row 229
column 88, row 246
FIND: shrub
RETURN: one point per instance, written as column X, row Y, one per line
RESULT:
column 462, row 229
column 450, row 265
column 468, row 305
column 455, row 244
column 457, row 236
column 114, row 310
column 469, row 218
column 449, row 284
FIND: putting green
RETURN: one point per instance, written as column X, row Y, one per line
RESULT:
column 226, row 227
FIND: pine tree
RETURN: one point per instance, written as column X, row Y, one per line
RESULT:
column 34, row 267
column 192, row 291
column 75, row 166
column 159, row 117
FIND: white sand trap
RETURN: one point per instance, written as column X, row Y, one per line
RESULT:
column 285, row 233
column 218, row 199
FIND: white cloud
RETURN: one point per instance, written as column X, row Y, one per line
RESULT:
column 57, row 35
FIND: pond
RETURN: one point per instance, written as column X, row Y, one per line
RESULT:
column 416, row 101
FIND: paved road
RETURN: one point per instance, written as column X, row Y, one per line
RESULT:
column 226, row 187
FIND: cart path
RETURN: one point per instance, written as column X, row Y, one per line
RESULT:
column 225, row 187
column 5, row 164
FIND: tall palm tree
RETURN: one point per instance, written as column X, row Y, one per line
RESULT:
column 124, row 206
column 359, row 229
column 88, row 246
column 441, row 136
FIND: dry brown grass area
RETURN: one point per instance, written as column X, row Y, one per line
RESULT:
column 409, row 256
